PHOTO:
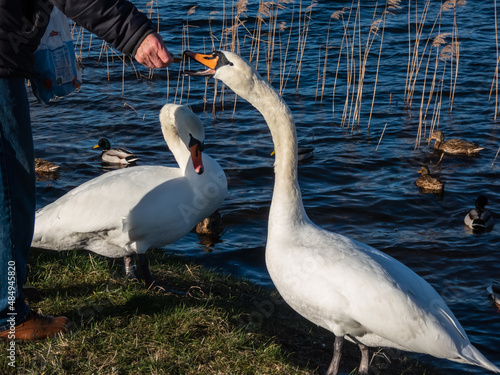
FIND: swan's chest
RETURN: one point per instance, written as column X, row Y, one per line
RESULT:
column 309, row 277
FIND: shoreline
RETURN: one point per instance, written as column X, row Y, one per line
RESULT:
column 218, row 325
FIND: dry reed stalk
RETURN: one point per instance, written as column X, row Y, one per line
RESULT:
column 256, row 35
column 325, row 59
column 299, row 35
column 495, row 77
column 123, row 75
column 348, row 107
column 271, row 38
column 449, row 5
column 303, row 39
column 369, row 42
column 498, row 151
column 349, row 76
column 407, row 81
column 283, row 82
column 437, row 106
column 284, row 60
column 318, row 79
column 416, row 57
column 438, row 41
column 186, row 46
column 338, row 15
column 390, row 5
column 241, row 8
column 381, row 135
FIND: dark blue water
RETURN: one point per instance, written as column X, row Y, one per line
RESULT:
column 350, row 186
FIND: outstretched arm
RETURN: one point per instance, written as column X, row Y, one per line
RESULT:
column 119, row 23
column 153, row 53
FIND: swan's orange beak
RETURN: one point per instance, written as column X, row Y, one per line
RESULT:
column 196, row 158
column 210, row 61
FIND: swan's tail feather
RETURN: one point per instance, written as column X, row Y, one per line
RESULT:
column 472, row 356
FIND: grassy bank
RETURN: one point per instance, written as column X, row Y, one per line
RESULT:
column 219, row 325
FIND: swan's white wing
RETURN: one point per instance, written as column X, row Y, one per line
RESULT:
column 96, row 208
column 350, row 288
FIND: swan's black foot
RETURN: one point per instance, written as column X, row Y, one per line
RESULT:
column 149, row 279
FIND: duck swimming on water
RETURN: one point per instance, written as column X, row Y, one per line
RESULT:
column 479, row 219
column 494, row 290
column 454, row 146
column 428, row 182
column 349, row 288
column 115, row 155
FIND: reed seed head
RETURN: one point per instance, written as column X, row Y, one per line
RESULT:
column 192, row 10
column 338, row 14
column 452, row 4
column 375, row 26
column 393, row 4
column 448, row 51
column 241, row 7
column 439, row 40
column 313, row 4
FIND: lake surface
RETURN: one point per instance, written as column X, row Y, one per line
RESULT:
column 361, row 179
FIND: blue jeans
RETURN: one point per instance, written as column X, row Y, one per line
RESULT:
column 17, row 197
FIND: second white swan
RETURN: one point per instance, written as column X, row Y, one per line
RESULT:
column 128, row 211
column 347, row 287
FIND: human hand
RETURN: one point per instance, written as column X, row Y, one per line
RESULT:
column 152, row 52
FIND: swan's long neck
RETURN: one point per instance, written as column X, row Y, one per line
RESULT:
column 286, row 207
column 176, row 146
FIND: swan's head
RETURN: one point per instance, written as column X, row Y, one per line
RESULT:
column 180, row 121
column 230, row 68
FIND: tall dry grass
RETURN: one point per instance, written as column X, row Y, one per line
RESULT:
column 275, row 36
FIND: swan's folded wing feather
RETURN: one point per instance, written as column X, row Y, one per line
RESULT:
column 98, row 204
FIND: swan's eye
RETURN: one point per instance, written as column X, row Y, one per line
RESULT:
column 194, row 142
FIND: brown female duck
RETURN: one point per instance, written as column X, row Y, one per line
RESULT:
column 454, row 146
column 428, row 182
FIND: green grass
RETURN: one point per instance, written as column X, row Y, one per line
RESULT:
column 220, row 325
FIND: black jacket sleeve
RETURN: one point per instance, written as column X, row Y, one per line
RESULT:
column 118, row 22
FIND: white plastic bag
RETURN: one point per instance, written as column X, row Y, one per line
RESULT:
column 56, row 74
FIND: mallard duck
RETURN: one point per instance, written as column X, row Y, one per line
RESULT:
column 209, row 231
column 46, row 170
column 454, row 146
column 127, row 211
column 479, row 219
column 45, row 166
column 494, row 291
column 115, row 155
column 349, row 288
column 428, row 182
column 211, row 225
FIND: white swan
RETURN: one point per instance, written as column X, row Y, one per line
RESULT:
column 345, row 286
column 128, row 211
